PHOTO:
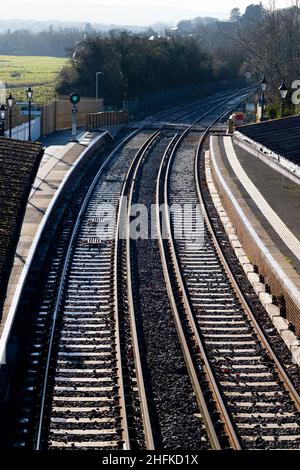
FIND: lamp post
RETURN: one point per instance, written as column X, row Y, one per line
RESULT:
column 2, row 119
column 29, row 96
column 263, row 84
column 283, row 92
column 125, row 94
column 10, row 103
column 97, row 84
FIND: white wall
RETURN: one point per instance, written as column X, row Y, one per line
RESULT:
column 21, row 132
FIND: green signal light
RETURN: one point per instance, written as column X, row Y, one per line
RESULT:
column 74, row 98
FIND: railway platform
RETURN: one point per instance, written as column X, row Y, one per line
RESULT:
column 263, row 203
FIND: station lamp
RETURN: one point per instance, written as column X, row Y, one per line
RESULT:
column 29, row 93
column 10, row 102
column 2, row 112
column 2, row 119
column 263, row 84
column 283, row 90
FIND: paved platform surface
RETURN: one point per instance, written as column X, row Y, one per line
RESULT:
column 281, row 136
column 280, row 193
column 270, row 201
column 56, row 163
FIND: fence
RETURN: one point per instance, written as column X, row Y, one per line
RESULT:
column 21, row 132
column 57, row 115
column 155, row 101
column 54, row 117
column 106, row 118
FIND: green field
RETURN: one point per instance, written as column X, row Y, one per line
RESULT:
column 39, row 72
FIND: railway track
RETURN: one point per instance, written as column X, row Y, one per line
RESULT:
column 90, row 333
column 255, row 398
column 71, row 296
column 173, row 412
column 99, row 381
column 81, row 357
column 180, row 418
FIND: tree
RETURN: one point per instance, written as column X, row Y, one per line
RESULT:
column 254, row 12
column 235, row 14
column 134, row 64
column 269, row 39
column 92, row 55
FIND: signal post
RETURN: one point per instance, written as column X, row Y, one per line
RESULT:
column 74, row 99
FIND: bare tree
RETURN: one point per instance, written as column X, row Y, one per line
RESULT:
column 271, row 44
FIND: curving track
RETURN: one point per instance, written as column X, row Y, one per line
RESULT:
column 151, row 344
column 255, row 398
column 76, row 377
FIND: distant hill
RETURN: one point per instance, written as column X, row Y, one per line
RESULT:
column 38, row 26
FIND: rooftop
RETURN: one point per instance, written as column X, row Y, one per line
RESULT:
column 281, row 136
column 19, row 162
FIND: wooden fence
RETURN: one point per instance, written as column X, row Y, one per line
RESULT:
column 106, row 118
column 57, row 115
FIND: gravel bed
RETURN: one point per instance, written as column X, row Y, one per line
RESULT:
column 172, row 403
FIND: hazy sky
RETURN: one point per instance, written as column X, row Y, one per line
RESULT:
column 140, row 12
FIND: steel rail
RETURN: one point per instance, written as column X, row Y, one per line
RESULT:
column 228, row 425
column 128, row 187
column 209, row 426
column 260, row 334
column 59, row 299
column 174, row 110
column 234, row 441
column 130, row 181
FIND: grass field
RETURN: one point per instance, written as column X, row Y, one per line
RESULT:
column 18, row 72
